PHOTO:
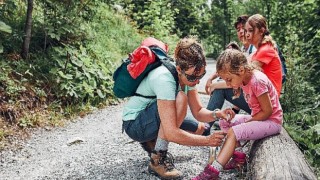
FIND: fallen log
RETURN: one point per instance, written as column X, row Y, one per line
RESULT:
column 278, row 157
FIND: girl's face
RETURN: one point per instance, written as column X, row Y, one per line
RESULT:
column 189, row 77
column 253, row 35
column 233, row 80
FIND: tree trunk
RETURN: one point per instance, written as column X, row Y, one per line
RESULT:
column 278, row 157
column 27, row 31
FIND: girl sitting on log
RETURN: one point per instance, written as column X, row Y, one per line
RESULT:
column 263, row 100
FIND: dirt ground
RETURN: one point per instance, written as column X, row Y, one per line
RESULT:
column 94, row 147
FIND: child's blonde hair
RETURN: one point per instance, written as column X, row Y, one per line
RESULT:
column 231, row 60
column 189, row 53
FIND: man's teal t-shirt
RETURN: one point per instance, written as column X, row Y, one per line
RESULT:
column 159, row 83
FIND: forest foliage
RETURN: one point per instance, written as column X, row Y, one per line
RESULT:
column 75, row 46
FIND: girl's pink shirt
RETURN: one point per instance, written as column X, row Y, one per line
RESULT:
column 258, row 85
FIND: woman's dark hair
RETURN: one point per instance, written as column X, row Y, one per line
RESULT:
column 189, row 53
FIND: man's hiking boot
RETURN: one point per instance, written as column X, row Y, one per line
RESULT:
column 209, row 173
column 237, row 161
column 162, row 165
column 149, row 146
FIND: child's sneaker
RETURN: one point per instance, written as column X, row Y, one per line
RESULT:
column 209, row 173
column 237, row 161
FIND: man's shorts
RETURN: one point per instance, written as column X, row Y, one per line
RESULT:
column 146, row 125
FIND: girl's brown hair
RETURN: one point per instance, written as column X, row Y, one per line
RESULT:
column 231, row 60
column 189, row 53
column 258, row 21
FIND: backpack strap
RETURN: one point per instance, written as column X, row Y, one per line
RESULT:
column 172, row 69
column 166, row 61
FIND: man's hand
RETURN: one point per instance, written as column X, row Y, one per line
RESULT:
column 216, row 138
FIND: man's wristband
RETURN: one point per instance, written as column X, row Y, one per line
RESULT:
column 214, row 115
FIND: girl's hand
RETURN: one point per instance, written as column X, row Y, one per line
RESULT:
column 227, row 114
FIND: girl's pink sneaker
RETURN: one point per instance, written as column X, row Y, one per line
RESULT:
column 237, row 161
column 209, row 173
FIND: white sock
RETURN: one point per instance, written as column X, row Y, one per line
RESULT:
column 217, row 165
column 161, row 144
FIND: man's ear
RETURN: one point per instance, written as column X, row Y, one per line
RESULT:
column 178, row 69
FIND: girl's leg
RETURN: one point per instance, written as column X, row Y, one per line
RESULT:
column 227, row 148
column 255, row 130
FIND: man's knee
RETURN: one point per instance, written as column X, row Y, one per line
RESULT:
column 181, row 106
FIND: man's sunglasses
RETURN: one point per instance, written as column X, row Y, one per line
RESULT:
column 193, row 78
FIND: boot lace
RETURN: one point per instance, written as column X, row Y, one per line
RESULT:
column 167, row 160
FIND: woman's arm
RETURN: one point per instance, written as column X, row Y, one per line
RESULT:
column 170, row 131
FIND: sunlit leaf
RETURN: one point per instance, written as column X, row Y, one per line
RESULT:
column 100, row 94
column 317, row 128
column 65, row 76
column 5, row 28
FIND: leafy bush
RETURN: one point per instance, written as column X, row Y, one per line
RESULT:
column 301, row 101
column 72, row 62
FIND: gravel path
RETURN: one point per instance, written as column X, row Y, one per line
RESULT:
column 94, row 147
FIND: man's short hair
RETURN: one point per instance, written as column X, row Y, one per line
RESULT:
column 241, row 19
column 233, row 45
